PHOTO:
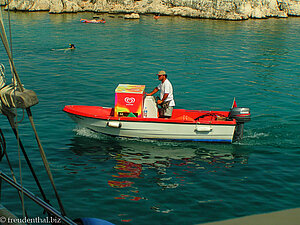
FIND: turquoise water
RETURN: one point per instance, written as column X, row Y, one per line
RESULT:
column 209, row 63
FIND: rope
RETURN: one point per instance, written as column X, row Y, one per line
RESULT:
column 7, row 96
column 14, row 87
column 8, row 52
column 2, row 76
column 29, row 163
column 214, row 115
column 4, row 152
column 2, row 145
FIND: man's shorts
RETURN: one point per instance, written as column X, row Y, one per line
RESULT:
column 166, row 110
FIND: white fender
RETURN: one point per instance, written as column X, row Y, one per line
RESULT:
column 203, row 128
column 115, row 124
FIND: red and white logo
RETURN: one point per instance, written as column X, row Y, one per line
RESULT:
column 129, row 100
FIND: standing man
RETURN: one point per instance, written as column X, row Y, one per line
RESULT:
column 166, row 95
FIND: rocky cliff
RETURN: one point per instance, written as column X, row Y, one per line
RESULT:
column 211, row 9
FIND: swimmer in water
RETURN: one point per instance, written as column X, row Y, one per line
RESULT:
column 71, row 47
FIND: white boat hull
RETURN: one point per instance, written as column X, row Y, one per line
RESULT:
column 158, row 130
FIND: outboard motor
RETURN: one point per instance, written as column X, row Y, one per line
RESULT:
column 241, row 115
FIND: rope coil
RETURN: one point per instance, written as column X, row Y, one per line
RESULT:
column 2, row 76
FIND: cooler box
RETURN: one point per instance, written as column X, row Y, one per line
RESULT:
column 150, row 107
column 129, row 100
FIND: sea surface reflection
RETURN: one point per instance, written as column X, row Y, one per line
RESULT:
column 171, row 162
column 162, row 176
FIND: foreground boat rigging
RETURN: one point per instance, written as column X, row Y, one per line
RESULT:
column 14, row 96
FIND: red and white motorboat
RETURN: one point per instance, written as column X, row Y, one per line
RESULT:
column 184, row 125
column 136, row 116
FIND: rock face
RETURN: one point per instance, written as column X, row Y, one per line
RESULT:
column 132, row 16
column 211, row 9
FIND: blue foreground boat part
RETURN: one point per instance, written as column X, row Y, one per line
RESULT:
column 92, row 221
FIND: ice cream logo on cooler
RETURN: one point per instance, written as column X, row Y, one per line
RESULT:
column 129, row 100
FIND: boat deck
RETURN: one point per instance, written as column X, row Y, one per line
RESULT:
column 179, row 115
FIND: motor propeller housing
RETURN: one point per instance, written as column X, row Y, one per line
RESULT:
column 241, row 115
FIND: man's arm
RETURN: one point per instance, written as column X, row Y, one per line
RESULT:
column 163, row 99
column 153, row 92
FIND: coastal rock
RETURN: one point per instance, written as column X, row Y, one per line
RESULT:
column 292, row 8
column 211, row 9
column 68, row 6
column 132, row 16
column 56, row 6
column 71, row 6
column 86, row 6
column 41, row 5
column 260, row 10
column 21, row 5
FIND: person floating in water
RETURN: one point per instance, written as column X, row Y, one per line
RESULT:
column 156, row 16
column 72, row 46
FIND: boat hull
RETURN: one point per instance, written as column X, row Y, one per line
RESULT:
column 158, row 130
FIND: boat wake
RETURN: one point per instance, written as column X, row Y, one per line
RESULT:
column 280, row 135
column 85, row 132
column 81, row 131
column 255, row 135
